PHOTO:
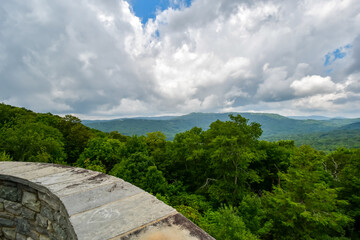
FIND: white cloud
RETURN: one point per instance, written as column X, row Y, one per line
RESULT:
column 96, row 58
column 318, row 103
column 353, row 83
column 326, row 9
column 313, row 85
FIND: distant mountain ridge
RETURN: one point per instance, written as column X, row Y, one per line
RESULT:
column 351, row 126
column 312, row 117
column 274, row 126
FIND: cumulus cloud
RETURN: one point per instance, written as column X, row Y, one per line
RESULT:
column 313, row 85
column 98, row 59
column 353, row 83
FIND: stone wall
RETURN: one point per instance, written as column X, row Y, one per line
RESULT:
column 41, row 201
column 30, row 214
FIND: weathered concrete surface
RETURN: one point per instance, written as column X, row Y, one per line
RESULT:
column 98, row 206
column 119, row 217
column 99, row 196
column 29, row 172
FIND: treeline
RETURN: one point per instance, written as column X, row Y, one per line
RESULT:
column 224, row 179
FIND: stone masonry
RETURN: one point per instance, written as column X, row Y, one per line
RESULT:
column 45, row 201
column 29, row 214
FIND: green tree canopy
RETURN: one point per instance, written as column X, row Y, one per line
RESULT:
column 32, row 141
column 104, row 151
column 140, row 170
column 232, row 148
column 303, row 206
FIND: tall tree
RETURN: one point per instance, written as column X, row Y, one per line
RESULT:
column 303, row 206
column 156, row 145
column 189, row 161
column 232, row 147
column 76, row 136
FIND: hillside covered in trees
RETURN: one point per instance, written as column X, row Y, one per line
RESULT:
column 223, row 178
column 323, row 134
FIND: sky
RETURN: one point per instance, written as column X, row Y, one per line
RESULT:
column 116, row 58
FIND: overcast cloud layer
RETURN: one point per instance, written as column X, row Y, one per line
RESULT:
column 95, row 59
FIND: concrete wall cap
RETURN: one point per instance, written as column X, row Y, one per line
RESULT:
column 99, row 206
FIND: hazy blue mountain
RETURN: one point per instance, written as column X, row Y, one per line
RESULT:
column 274, row 126
column 312, row 117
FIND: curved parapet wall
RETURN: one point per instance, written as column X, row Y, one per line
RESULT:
column 47, row 201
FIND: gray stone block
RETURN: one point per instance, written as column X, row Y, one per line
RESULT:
column 52, row 201
column 20, row 236
column 52, row 236
column 41, row 221
column 34, row 235
column 7, row 215
column 60, row 233
column 6, row 222
column 10, row 193
column 12, row 207
column 47, row 212
column 27, row 213
column 22, row 226
column 60, row 219
column 30, row 200
column 41, row 230
column 9, row 233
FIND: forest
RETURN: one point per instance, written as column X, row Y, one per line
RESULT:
column 224, row 179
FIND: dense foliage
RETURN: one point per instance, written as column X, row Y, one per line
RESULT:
column 224, row 178
column 331, row 140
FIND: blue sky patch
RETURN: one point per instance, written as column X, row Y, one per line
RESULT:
column 146, row 9
column 338, row 53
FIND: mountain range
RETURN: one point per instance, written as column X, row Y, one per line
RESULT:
column 274, row 126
